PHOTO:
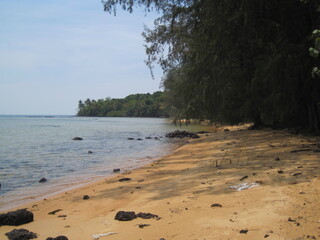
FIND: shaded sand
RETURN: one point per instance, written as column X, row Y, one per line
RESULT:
column 181, row 188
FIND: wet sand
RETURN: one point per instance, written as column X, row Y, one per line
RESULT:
column 190, row 192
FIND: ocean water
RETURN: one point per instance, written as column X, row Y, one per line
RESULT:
column 33, row 147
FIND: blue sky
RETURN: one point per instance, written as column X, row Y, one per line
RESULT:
column 56, row 52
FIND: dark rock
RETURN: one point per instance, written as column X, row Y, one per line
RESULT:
column 280, row 171
column 16, row 218
column 143, row 225
column 181, row 134
column 130, row 138
column 244, row 231
column 226, row 130
column 0, row 185
column 55, row 211
column 296, row 174
column 42, row 180
column 147, row 215
column 62, row 216
column 216, row 205
column 125, row 216
column 20, row 234
column 86, row 197
column 266, row 236
column 311, row 237
column 77, row 138
column 139, row 139
column 244, row 177
column 57, row 238
column 89, row 152
column 148, row 137
column 116, row 170
column 202, row 132
column 156, row 138
column 124, row 179
column 291, row 220
column 277, row 159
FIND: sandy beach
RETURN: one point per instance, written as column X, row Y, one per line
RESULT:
column 190, row 191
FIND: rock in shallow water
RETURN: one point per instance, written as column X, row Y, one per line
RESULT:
column 21, row 234
column 42, row 180
column 16, row 218
column 77, row 138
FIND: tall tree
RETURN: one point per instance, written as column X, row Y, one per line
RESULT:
column 233, row 61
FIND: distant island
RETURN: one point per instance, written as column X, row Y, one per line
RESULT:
column 134, row 105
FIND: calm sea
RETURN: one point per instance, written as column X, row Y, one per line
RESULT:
column 33, row 147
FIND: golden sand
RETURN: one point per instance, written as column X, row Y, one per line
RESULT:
column 181, row 189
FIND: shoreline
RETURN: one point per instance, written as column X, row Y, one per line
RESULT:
column 90, row 179
column 186, row 187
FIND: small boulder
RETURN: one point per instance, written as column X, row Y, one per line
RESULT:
column 57, row 238
column 202, row 132
column 216, row 205
column 16, row 218
column 54, row 212
column 90, row 152
column 181, row 134
column 130, row 138
column 124, row 179
column 125, row 216
column 244, row 177
column 147, row 215
column 77, row 138
column 86, row 197
column 42, row 180
column 244, row 231
column 116, row 170
column 20, row 234
column 143, row 225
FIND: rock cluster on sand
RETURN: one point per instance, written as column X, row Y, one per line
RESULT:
column 16, row 218
column 58, row 238
column 182, row 134
column 21, row 234
column 128, row 216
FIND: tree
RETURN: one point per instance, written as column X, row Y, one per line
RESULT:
column 234, row 61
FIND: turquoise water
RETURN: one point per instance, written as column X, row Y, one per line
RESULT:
column 33, row 147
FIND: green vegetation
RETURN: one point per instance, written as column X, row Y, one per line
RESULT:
column 136, row 105
column 234, row 61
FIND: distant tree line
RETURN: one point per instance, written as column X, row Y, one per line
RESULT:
column 135, row 105
column 233, row 61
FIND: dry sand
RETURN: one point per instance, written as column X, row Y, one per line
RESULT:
column 181, row 188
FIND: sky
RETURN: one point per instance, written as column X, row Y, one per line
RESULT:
column 55, row 52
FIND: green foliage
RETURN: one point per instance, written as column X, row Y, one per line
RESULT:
column 135, row 105
column 233, row 61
